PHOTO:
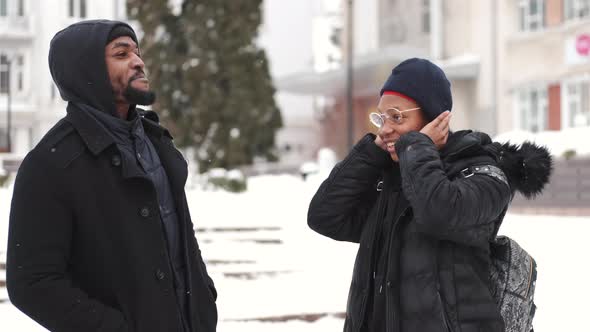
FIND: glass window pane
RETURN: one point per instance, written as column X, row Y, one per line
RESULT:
column 426, row 22
column 71, row 8
column 533, row 8
column 584, row 97
column 571, row 90
column 3, row 74
column 523, row 119
column 3, row 7
column 585, row 100
column 82, row 8
column 21, row 7
column 568, row 9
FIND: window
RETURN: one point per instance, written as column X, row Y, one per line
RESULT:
column 83, row 8
column 21, row 8
column 3, row 8
column 12, row 72
column 577, row 104
column 392, row 28
column 53, row 94
column 19, row 71
column 425, row 16
column 576, row 9
column 77, row 8
column 532, row 109
column 532, row 14
column 3, row 140
column 4, row 72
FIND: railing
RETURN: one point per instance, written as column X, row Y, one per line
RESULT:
column 569, row 188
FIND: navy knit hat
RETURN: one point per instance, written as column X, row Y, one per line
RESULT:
column 423, row 82
column 121, row 31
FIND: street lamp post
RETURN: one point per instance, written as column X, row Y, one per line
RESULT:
column 5, row 64
column 349, row 72
column 8, row 107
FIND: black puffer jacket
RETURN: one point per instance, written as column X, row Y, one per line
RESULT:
column 438, row 228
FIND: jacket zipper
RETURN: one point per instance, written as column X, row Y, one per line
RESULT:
column 389, row 319
column 380, row 215
column 444, row 312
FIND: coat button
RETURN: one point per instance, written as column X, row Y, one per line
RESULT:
column 144, row 212
column 160, row 275
column 116, row 160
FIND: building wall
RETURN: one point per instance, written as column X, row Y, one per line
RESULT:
column 400, row 22
column 39, row 107
column 290, row 52
column 334, row 126
column 457, row 28
column 469, row 29
column 538, row 59
column 463, row 101
column 366, row 33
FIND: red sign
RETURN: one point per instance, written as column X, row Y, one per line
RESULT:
column 583, row 44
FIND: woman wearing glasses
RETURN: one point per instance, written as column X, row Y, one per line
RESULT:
column 422, row 217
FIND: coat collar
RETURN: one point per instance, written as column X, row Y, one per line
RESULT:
column 95, row 136
column 92, row 133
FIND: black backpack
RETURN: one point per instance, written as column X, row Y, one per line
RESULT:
column 513, row 272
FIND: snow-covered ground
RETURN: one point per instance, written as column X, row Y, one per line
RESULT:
column 557, row 141
column 274, row 274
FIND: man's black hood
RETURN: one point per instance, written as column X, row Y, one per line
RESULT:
column 78, row 66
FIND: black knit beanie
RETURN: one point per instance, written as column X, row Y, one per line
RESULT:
column 425, row 83
column 121, row 31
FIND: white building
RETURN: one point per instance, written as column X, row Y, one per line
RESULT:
column 296, row 37
column 26, row 29
column 513, row 64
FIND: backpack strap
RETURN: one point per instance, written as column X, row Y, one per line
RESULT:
column 489, row 170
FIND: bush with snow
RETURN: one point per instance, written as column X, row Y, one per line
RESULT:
column 220, row 178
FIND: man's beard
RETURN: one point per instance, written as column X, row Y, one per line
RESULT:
column 138, row 97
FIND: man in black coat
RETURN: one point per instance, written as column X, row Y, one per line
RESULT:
column 424, row 224
column 100, row 235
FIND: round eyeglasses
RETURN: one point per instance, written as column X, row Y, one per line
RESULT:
column 395, row 115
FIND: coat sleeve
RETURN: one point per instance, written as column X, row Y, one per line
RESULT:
column 343, row 201
column 462, row 210
column 39, row 245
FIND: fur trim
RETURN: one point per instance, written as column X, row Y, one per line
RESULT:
column 527, row 166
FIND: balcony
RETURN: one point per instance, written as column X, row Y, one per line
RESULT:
column 16, row 27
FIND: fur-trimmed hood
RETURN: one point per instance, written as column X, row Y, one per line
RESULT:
column 527, row 166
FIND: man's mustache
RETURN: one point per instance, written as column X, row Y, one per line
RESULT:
column 138, row 75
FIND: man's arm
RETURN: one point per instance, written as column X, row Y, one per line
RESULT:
column 39, row 245
column 343, row 201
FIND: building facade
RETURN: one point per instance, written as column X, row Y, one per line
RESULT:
column 545, row 65
column 300, row 36
column 513, row 64
column 26, row 29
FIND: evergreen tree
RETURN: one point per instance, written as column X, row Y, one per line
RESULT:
column 213, row 84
